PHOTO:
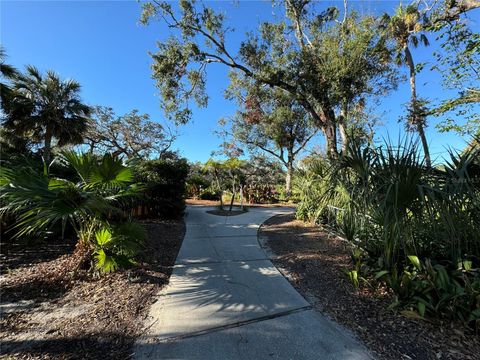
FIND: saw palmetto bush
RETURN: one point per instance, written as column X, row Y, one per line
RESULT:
column 90, row 201
column 415, row 209
column 393, row 208
column 318, row 193
column 405, row 210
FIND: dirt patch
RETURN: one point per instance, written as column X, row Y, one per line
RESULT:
column 314, row 260
column 226, row 212
column 202, row 202
column 15, row 253
column 50, row 313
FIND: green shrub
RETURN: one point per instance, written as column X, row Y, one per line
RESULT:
column 318, row 193
column 209, row 194
column 40, row 201
column 396, row 211
column 445, row 291
column 197, row 184
column 117, row 246
column 164, row 187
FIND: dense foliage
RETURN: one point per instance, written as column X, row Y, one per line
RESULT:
column 412, row 226
column 324, row 63
column 257, row 180
column 163, row 193
column 132, row 135
column 43, row 109
column 92, row 202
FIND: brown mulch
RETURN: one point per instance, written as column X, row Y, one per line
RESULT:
column 314, row 261
column 51, row 312
column 202, row 202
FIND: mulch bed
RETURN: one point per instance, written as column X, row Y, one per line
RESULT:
column 51, row 312
column 314, row 261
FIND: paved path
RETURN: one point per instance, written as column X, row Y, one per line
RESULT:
column 226, row 301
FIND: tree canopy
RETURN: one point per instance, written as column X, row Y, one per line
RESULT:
column 291, row 54
column 130, row 135
column 45, row 108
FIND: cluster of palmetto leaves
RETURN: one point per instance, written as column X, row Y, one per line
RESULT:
column 91, row 201
column 413, row 227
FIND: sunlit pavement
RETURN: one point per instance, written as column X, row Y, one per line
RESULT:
column 226, row 300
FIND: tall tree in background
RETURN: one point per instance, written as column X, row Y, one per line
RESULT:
column 45, row 108
column 10, row 143
column 7, row 73
column 356, row 71
column 130, row 135
column 458, row 63
column 288, row 54
column 271, row 121
column 405, row 28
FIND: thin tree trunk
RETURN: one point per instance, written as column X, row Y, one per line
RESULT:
column 233, row 196
column 288, row 178
column 215, row 172
column 342, row 127
column 417, row 122
column 241, row 197
column 48, row 145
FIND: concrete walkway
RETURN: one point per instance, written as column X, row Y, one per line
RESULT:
column 226, row 301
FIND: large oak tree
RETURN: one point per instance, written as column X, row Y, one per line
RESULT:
column 270, row 121
column 293, row 54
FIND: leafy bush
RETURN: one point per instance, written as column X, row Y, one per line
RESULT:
column 412, row 216
column 197, row 184
column 118, row 245
column 89, row 204
column 401, row 217
column 318, row 192
column 164, row 187
column 413, row 209
column 446, row 291
column 209, row 194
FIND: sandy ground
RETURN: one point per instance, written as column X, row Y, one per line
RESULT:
column 51, row 312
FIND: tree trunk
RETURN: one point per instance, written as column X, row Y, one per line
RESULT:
column 288, row 178
column 233, row 197
column 325, row 120
column 241, row 197
column 330, row 131
column 48, row 145
column 416, row 120
column 342, row 127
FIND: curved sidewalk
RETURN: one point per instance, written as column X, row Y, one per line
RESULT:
column 226, row 300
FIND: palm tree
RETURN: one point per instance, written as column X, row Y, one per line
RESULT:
column 403, row 27
column 7, row 72
column 98, row 193
column 47, row 107
column 10, row 143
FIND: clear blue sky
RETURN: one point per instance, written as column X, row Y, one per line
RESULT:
column 102, row 45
